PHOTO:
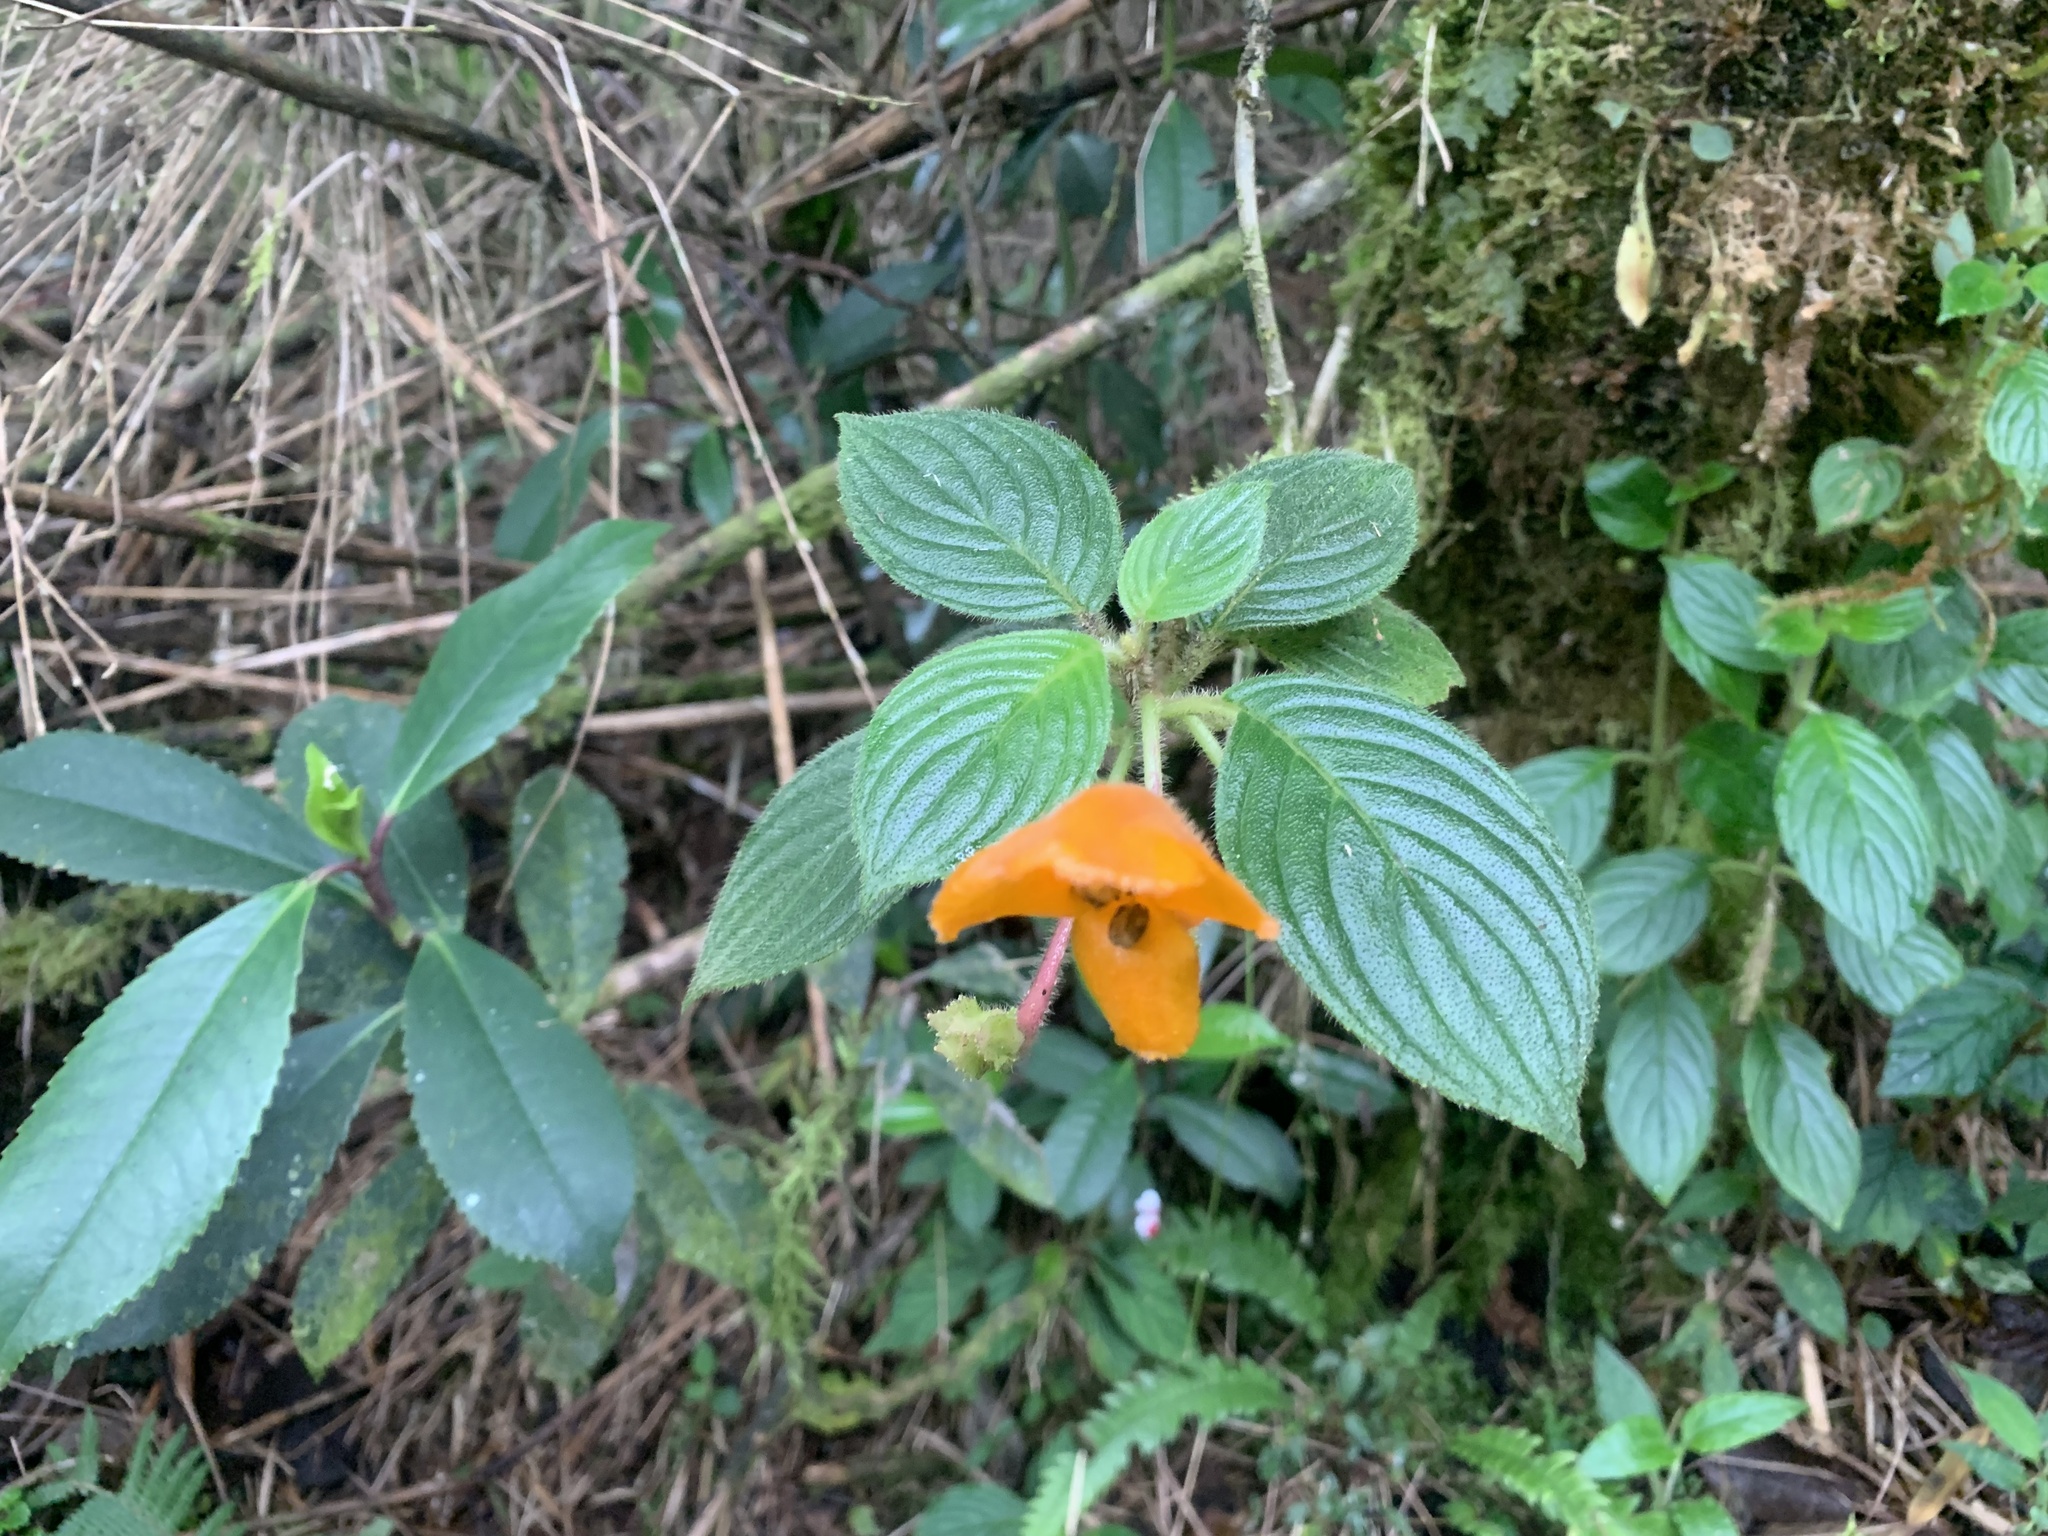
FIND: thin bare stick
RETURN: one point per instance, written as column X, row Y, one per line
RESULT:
column 1325, row 393
column 1251, row 107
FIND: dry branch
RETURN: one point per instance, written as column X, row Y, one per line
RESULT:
column 214, row 51
column 187, row 515
column 814, row 499
column 895, row 129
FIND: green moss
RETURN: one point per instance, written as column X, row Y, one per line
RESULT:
column 80, row 953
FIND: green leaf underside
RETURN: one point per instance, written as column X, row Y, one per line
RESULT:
column 361, row 1259
column 1574, row 789
column 2016, row 425
column 1953, row 1040
column 793, row 894
column 1967, row 813
column 118, row 808
column 129, row 1150
column 519, row 1116
column 1892, row 978
column 1662, row 1084
column 325, row 1071
column 1720, row 606
column 1854, row 482
column 1195, row 553
column 1418, row 892
column 977, row 741
column 1811, row 1289
column 506, row 651
column 709, row 1200
column 1244, row 1149
column 1647, row 907
column 426, row 855
column 1339, row 528
column 992, row 516
column 1740, row 691
column 570, row 885
column 1380, row 646
column 1088, row 1141
column 1800, row 1126
column 1851, row 821
column 1913, row 676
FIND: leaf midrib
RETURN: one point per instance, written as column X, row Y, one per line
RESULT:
column 1043, row 571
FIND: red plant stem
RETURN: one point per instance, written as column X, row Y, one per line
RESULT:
column 1038, row 998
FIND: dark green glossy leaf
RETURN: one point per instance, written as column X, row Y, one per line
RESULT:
column 1630, row 500
column 519, row 1116
column 325, row 1071
column 1854, row 482
column 1914, row 676
column 505, row 651
column 1721, row 606
column 1954, row 1040
column 127, row 1154
column 1245, row 1150
column 569, row 885
column 1177, row 197
column 118, row 808
column 1089, row 1140
column 1726, row 771
column 1740, row 691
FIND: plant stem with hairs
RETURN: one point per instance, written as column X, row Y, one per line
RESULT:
column 1251, row 106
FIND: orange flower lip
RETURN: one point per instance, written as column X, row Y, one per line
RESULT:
column 1135, row 876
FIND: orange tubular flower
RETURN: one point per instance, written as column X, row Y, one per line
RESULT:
column 1135, row 876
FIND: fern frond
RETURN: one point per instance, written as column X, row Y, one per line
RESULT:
column 159, row 1495
column 1243, row 1257
column 1149, row 1409
column 1549, row 1481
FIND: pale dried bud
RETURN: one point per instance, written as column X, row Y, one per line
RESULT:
column 1635, row 268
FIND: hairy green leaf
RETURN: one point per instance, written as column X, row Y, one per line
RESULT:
column 980, row 739
column 1195, row 553
column 987, row 514
column 1339, row 528
column 1419, row 894
column 793, row 894
column 2016, row 425
column 1380, row 646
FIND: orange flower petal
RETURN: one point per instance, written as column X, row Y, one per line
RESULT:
column 1145, row 975
column 1109, row 840
column 1001, row 881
